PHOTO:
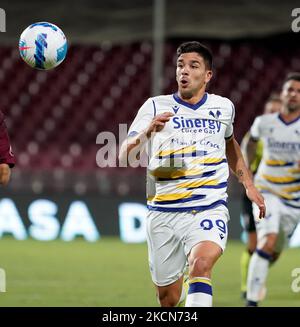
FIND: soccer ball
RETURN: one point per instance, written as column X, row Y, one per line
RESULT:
column 43, row 45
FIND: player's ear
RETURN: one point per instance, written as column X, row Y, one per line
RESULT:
column 208, row 75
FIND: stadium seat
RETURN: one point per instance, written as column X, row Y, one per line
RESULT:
column 54, row 117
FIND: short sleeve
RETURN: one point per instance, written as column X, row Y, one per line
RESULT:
column 229, row 129
column 143, row 117
column 255, row 131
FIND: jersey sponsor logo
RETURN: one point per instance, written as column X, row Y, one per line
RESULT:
column 209, row 144
column 204, row 142
column 283, row 146
column 181, row 122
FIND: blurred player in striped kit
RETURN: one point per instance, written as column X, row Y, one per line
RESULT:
column 191, row 149
column 272, row 105
column 278, row 177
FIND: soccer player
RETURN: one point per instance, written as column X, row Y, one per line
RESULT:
column 190, row 146
column 7, row 159
column 278, row 176
column 272, row 105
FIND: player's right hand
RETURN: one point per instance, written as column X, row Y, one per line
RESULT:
column 255, row 196
column 158, row 123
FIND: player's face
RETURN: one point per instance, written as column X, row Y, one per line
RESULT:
column 290, row 95
column 272, row 107
column 191, row 74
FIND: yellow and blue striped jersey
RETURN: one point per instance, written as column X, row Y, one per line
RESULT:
column 279, row 169
column 187, row 167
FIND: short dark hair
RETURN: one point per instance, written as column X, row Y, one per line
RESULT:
column 202, row 50
column 293, row 76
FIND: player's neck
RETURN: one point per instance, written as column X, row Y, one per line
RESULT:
column 288, row 116
column 194, row 99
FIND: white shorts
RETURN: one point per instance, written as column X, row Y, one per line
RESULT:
column 171, row 236
column 280, row 219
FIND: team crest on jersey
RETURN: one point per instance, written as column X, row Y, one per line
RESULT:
column 215, row 115
column 175, row 108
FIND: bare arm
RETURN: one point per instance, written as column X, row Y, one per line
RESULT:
column 251, row 147
column 133, row 146
column 4, row 174
column 238, row 166
column 7, row 158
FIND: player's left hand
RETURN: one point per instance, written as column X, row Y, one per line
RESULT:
column 254, row 196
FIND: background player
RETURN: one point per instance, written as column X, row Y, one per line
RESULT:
column 272, row 105
column 7, row 159
column 188, row 216
column 278, row 177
